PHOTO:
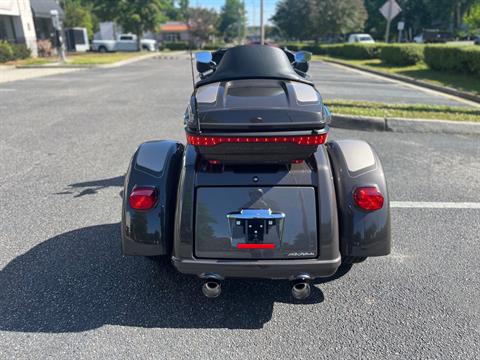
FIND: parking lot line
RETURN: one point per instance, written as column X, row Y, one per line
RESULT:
column 434, row 205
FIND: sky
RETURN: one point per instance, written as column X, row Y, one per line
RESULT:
column 252, row 7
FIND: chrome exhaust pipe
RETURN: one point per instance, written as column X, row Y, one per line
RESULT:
column 301, row 290
column 212, row 288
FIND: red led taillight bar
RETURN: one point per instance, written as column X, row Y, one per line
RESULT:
column 256, row 246
column 202, row 140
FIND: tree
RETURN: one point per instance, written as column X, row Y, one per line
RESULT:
column 184, row 9
column 292, row 19
column 333, row 17
column 421, row 14
column 80, row 14
column 136, row 16
column 472, row 19
column 202, row 23
column 232, row 19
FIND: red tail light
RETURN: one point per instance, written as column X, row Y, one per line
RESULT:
column 143, row 198
column 368, row 198
column 200, row 140
column 255, row 246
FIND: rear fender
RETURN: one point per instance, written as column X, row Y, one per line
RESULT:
column 150, row 232
column 356, row 164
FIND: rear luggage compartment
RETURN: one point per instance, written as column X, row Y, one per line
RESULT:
column 256, row 223
column 257, row 121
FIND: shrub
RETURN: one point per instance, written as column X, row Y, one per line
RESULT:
column 21, row 51
column 6, row 52
column 353, row 51
column 213, row 46
column 459, row 59
column 401, row 54
column 176, row 46
column 11, row 52
column 45, row 48
column 346, row 51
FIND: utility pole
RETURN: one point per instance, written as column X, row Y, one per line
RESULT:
column 262, row 26
column 254, row 14
column 389, row 21
column 244, row 19
column 241, row 22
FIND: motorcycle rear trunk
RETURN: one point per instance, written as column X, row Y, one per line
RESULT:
column 255, row 197
column 256, row 121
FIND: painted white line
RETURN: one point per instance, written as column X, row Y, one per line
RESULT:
column 433, row 205
column 413, row 86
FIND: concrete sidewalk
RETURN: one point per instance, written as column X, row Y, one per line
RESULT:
column 8, row 74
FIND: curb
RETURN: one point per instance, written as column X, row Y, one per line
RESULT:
column 101, row 66
column 402, row 125
column 128, row 61
column 60, row 66
column 409, row 80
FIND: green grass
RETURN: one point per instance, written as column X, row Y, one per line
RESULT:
column 363, row 108
column 33, row 61
column 463, row 82
column 101, row 59
column 89, row 58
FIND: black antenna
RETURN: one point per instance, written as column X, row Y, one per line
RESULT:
column 191, row 62
column 190, row 42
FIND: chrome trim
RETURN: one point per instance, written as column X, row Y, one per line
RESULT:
column 260, row 214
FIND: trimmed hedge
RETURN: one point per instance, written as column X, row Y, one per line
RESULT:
column 175, row 46
column 354, row 51
column 213, row 46
column 6, row 52
column 11, row 52
column 459, row 59
column 401, row 54
column 346, row 51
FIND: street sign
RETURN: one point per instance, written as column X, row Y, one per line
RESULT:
column 55, row 19
column 390, row 10
column 401, row 26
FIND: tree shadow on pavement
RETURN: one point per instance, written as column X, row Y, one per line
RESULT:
column 79, row 281
column 92, row 187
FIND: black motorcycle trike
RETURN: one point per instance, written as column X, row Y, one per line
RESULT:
column 256, row 191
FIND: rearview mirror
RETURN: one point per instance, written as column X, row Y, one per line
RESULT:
column 204, row 61
column 327, row 115
column 303, row 56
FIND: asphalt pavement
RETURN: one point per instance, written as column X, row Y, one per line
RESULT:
column 339, row 82
column 67, row 292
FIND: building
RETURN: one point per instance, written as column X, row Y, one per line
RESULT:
column 16, row 23
column 42, row 18
column 173, row 31
column 25, row 21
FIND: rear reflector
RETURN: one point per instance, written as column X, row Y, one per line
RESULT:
column 368, row 198
column 143, row 198
column 255, row 246
column 200, row 140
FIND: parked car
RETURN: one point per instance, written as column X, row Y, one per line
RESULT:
column 433, row 36
column 477, row 40
column 361, row 38
column 124, row 42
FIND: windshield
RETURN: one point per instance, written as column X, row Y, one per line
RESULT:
column 253, row 62
column 365, row 38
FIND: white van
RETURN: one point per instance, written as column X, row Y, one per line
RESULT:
column 361, row 38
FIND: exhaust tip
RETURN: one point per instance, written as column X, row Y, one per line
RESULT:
column 212, row 289
column 301, row 290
